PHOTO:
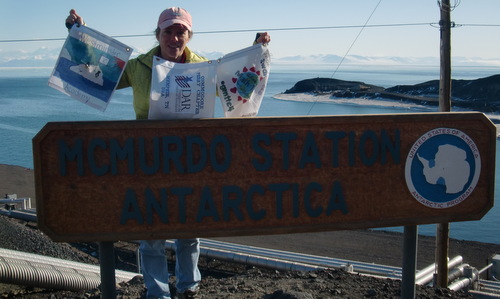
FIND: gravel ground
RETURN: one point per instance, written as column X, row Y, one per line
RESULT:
column 220, row 279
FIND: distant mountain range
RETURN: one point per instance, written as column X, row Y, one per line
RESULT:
column 383, row 60
column 45, row 57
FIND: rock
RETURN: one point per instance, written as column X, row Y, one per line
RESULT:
column 481, row 94
column 280, row 294
column 327, row 85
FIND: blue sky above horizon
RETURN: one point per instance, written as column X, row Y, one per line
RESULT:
column 45, row 19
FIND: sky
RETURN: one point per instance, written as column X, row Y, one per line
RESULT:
column 288, row 22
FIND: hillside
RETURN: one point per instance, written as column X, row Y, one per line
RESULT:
column 481, row 94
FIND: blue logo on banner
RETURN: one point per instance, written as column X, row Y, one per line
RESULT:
column 183, row 81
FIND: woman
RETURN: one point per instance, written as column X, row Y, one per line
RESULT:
column 173, row 32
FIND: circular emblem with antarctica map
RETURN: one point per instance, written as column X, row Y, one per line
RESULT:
column 442, row 168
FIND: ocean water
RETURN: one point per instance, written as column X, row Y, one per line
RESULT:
column 27, row 103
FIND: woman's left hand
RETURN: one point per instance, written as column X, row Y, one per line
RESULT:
column 263, row 38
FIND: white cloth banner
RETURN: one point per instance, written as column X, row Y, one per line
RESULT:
column 188, row 90
column 182, row 90
column 241, row 80
column 89, row 66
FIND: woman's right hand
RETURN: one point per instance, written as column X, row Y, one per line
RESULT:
column 73, row 18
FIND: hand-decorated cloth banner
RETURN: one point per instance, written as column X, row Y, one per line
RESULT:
column 241, row 80
column 188, row 90
column 89, row 66
column 182, row 90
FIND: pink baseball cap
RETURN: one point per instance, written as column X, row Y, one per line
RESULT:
column 174, row 15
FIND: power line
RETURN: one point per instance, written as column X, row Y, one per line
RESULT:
column 478, row 25
column 357, row 36
column 350, row 47
column 232, row 31
column 433, row 24
column 316, row 28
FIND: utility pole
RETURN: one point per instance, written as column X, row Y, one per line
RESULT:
column 445, row 60
column 443, row 229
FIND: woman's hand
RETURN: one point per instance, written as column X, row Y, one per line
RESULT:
column 263, row 38
column 73, row 18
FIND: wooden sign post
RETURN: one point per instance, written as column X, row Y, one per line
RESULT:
column 131, row 180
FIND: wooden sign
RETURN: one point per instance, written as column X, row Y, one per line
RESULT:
column 129, row 180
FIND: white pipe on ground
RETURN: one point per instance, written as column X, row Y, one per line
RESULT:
column 26, row 202
column 46, row 272
column 122, row 275
column 426, row 275
column 310, row 261
column 35, row 275
column 457, row 272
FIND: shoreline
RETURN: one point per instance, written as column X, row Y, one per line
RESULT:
column 17, row 180
column 405, row 106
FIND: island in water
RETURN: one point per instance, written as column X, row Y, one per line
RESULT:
column 481, row 94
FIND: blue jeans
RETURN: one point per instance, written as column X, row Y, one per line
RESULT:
column 155, row 269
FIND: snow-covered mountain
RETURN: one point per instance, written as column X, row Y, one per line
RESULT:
column 46, row 57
